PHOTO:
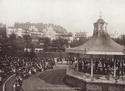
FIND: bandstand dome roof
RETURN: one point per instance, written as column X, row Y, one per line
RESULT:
column 100, row 43
column 100, row 20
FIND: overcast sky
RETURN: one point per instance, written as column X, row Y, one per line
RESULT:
column 74, row 15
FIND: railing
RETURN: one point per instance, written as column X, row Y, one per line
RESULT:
column 4, row 84
column 71, row 71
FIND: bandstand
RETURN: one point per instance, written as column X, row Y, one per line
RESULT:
column 100, row 58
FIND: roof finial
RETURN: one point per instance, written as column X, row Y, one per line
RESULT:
column 100, row 14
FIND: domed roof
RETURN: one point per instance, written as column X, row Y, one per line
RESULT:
column 100, row 20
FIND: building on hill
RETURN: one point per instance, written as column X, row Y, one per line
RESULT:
column 17, row 31
column 49, row 32
column 34, row 32
column 39, row 30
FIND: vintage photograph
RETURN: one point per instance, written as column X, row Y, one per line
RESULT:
column 62, row 45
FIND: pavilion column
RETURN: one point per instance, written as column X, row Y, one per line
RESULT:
column 122, row 68
column 114, row 68
column 91, row 69
column 77, row 62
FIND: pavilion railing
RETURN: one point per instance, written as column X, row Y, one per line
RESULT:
column 72, row 70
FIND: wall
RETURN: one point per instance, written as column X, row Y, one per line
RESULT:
column 91, row 86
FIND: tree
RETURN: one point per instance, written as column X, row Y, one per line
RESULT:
column 123, row 39
column 60, row 44
column 11, row 45
column 120, row 40
column 78, row 42
column 3, row 38
column 46, row 42
column 28, row 41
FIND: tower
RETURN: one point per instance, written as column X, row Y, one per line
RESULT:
column 100, row 27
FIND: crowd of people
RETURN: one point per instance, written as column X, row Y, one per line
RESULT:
column 101, row 66
column 23, row 67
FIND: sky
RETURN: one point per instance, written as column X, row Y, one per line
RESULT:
column 74, row 15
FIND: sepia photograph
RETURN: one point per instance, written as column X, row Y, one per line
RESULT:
column 62, row 45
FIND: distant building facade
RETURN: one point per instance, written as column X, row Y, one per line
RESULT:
column 17, row 31
column 79, row 35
